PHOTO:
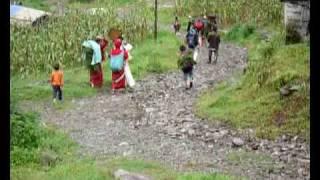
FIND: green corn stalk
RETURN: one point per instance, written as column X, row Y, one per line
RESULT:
column 32, row 49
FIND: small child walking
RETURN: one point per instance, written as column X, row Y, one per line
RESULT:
column 186, row 63
column 57, row 82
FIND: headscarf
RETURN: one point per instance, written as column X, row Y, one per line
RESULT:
column 117, row 43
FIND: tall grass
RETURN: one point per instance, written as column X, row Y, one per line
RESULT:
column 33, row 50
column 230, row 11
column 148, row 57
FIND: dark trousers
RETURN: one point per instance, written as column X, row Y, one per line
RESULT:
column 215, row 53
column 57, row 92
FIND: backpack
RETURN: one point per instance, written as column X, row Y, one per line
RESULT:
column 186, row 62
column 199, row 25
column 187, row 65
column 192, row 38
column 117, row 62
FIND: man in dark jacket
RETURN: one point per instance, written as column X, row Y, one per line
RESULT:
column 212, row 23
column 190, row 23
column 214, row 42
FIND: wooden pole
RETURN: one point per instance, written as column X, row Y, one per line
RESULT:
column 155, row 19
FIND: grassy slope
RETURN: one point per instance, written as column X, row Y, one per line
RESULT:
column 253, row 101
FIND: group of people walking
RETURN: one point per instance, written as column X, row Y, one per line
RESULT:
column 94, row 54
column 200, row 32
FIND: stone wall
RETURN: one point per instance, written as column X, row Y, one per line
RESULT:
column 297, row 15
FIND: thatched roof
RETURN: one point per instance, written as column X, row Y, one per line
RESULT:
column 25, row 15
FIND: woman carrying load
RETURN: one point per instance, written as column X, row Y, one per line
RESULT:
column 92, row 58
column 118, row 58
column 96, row 74
column 103, row 45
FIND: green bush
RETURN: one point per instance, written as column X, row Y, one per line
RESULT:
column 21, row 156
column 25, row 134
column 240, row 32
column 25, row 131
column 28, row 139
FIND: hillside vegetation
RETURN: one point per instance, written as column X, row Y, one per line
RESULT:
column 39, row 151
column 34, row 50
column 229, row 12
column 250, row 100
column 254, row 100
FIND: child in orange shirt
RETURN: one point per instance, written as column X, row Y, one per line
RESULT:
column 57, row 82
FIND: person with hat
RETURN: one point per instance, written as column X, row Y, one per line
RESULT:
column 118, row 58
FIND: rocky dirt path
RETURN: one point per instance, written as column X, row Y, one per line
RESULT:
column 156, row 122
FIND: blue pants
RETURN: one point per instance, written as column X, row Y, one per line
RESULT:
column 57, row 92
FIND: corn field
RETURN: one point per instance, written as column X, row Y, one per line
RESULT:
column 234, row 11
column 35, row 49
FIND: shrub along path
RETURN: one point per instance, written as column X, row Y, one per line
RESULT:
column 156, row 122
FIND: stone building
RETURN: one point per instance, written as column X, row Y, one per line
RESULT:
column 27, row 16
column 297, row 16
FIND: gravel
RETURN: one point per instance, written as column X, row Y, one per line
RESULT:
column 156, row 122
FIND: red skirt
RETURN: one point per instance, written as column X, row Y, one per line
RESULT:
column 96, row 77
column 118, row 80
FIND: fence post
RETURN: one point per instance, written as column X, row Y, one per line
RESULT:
column 155, row 19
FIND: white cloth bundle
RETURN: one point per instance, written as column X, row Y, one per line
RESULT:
column 127, row 72
column 129, row 77
column 128, row 47
column 195, row 54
